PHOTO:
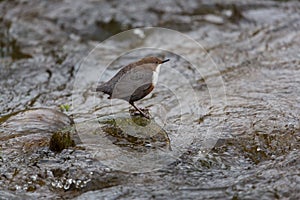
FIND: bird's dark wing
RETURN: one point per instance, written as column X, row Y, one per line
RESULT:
column 130, row 81
column 141, row 92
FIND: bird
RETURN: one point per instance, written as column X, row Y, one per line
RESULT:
column 134, row 81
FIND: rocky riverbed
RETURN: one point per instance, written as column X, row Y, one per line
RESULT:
column 225, row 113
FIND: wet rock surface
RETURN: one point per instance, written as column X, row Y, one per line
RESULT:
column 136, row 133
column 255, row 46
column 32, row 128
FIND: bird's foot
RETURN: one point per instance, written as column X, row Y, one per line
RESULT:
column 142, row 109
column 144, row 112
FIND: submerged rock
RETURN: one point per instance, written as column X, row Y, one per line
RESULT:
column 136, row 133
column 33, row 128
column 60, row 141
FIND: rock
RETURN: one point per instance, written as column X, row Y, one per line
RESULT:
column 136, row 133
column 60, row 141
column 32, row 128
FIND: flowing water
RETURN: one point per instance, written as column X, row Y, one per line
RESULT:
column 225, row 112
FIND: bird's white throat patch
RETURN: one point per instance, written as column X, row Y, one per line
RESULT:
column 155, row 75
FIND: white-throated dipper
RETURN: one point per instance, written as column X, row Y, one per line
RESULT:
column 134, row 81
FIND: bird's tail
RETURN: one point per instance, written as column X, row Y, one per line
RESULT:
column 103, row 88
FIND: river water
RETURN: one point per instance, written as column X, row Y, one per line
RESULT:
column 225, row 112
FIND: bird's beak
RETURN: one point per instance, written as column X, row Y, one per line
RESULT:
column 165, row 61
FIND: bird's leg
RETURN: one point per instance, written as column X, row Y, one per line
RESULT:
column 144, row 114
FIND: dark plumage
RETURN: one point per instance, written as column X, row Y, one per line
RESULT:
column 134, row 81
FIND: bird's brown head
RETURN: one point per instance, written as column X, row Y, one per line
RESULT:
column 152, row 60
